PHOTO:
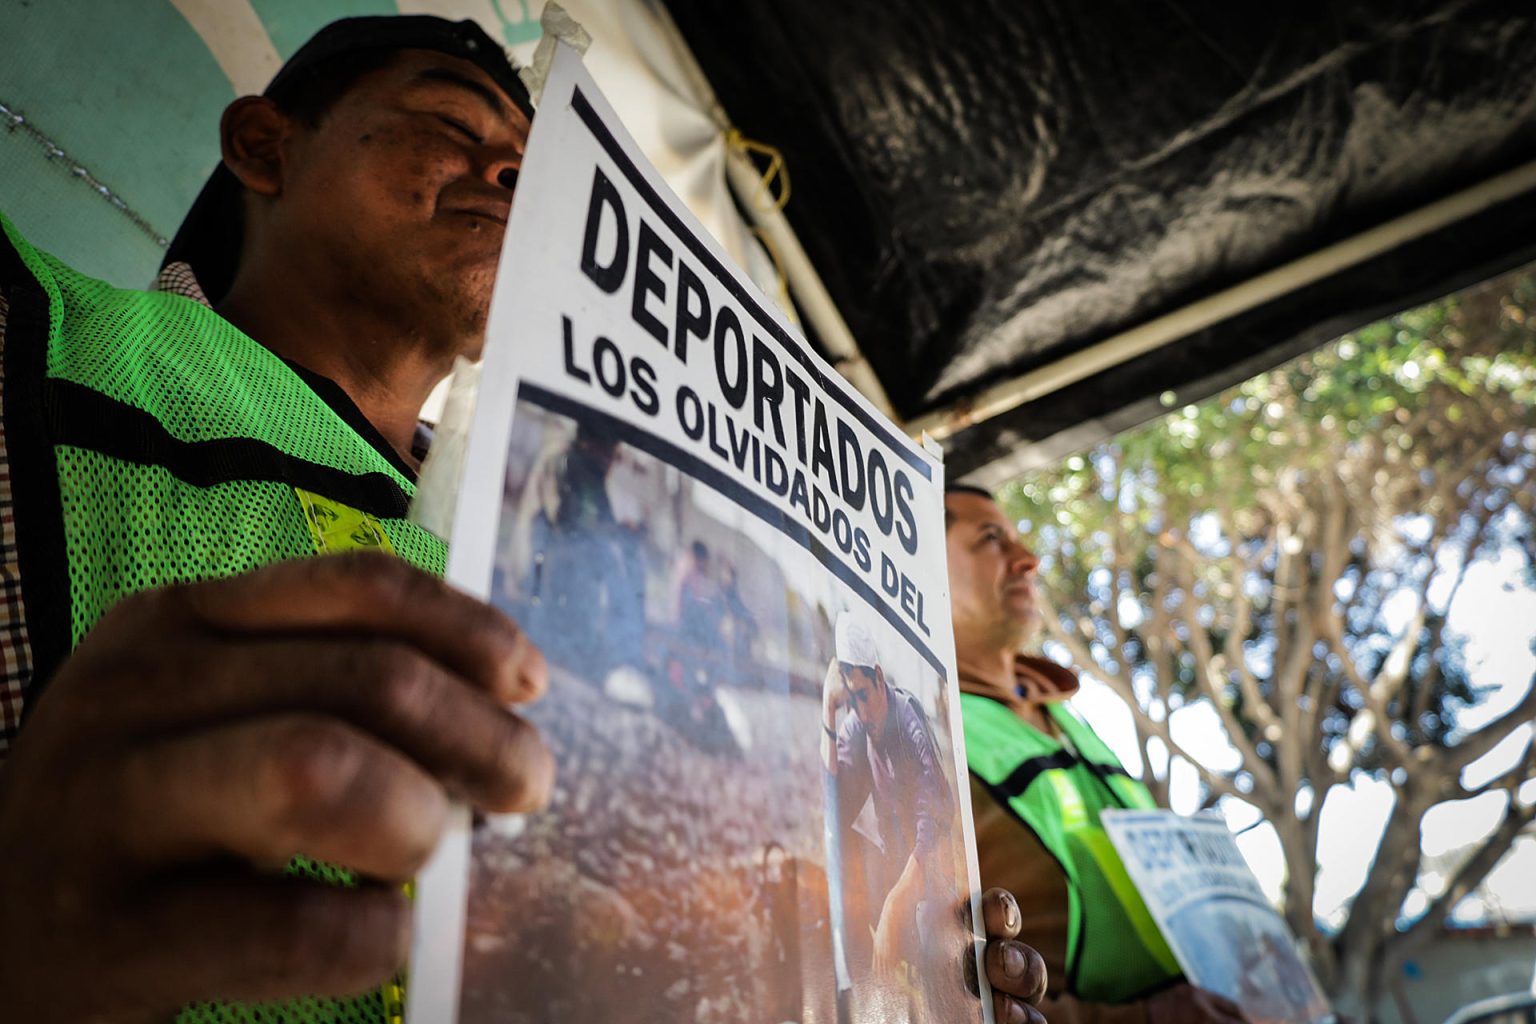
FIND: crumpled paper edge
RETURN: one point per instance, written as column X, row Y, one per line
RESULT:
column 559, row 27
column 437, row 485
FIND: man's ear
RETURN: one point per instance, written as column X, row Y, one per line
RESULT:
column 253, row 138
column 879, row 675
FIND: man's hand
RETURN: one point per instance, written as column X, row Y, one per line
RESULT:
column 887, row 942
column 1186, row 1004
column 833, row 696
column 203, row 735
column 832, row 699
column 897, row 915
column 1016, row 972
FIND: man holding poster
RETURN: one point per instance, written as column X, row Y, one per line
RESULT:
column 203, row 698
column 1039, row 779
column 250, row 701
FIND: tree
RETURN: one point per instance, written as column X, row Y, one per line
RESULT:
column 1288, row 552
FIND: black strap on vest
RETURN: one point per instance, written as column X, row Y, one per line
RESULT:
column 1022, row 777
column 84, row 418
column 1027, row 772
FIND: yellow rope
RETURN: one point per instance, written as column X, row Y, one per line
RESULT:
column 777, row 169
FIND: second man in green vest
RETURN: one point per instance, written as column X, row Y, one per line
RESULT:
column 1039, row 778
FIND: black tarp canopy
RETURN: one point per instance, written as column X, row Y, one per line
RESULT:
column 1046, row 220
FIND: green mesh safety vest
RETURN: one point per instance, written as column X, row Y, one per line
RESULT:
column 1115, row 951
column 175, row 449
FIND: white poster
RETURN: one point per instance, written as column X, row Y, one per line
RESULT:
column 1203, row 896
column 736, row 570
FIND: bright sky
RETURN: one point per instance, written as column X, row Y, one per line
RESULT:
column 1496, row 612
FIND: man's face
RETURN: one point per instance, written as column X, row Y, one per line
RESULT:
column 399, row 198
column 991, row 572
column 866, row 696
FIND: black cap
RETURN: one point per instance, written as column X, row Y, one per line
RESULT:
column 210, row 235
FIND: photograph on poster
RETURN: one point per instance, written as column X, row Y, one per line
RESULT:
column 709, row 840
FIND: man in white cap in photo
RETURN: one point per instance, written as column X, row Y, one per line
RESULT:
column 883, row 752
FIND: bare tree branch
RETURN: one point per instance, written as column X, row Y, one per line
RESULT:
column 1373, row 718
column 1254, row 702
column 1121, row 684
column 1474, row 869
column 1510, row 780
column 1212, row 687
column 1492, row 734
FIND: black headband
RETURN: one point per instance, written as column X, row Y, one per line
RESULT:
column 210, row 235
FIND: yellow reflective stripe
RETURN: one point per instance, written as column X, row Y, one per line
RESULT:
column 1074, row 813
column 1097, row 843
column 394, row 999
column 335, row 527
column 1132, row 792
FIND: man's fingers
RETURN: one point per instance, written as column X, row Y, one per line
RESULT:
column 1224, row 1006
column 1000, row 914
column 968, row 963
column 1008, row 1010
column 1015, row 969
column 376, row 594
column 476, row 748
column 1016, row 972
column 1232, row 1011
column 480, row 751
column 248, row 939
column 268, row 789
